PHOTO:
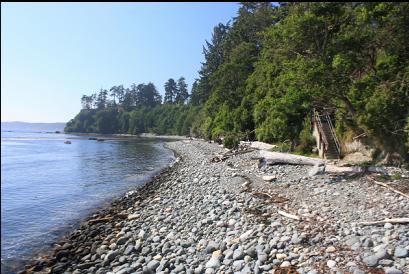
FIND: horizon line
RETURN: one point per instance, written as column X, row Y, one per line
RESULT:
column 34, row 122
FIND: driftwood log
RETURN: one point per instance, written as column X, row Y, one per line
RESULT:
column 274, row 158
column 391, row 221
column 288, row 215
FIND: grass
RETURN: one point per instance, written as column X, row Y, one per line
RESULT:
column 286, row 148
column 312, row 155
column 383, row 177
column 396, row 176
column 282, row 147
column 366, row 164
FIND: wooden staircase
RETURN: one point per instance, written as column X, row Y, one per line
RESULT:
column 327, row 141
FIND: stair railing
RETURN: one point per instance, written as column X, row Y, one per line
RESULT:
column 334, row 136
column 321, row 133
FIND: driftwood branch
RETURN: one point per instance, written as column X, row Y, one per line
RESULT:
column 100, row 220
column 271, row 198
column 262, row 194
column 224, row 156
column 229, row 153
column 389, row 187
column 392, row 221
column 107, row 219
column 218, row 158
column 359, row 136
column 288, row 215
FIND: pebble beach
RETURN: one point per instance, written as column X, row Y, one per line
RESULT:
column 200, row 216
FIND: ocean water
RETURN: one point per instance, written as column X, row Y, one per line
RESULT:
column 47, row 186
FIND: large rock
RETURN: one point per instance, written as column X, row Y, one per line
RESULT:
column 129, row 249
column 316, row 170
column 392, row 270
column 245, row 235
column 238, row 254
column 401, row 252
column 152, row 265
column 211, row 246
column 122, row 240
column 214, row 263
column 111, row 256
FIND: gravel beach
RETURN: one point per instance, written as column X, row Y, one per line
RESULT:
column 200, row 216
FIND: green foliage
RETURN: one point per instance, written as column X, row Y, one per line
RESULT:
column 281, row 119
column 123, row 122
column 106, row 121
column 181, row 95
column 306, row 140
column 396, row 176
column 83, row 122
column 231, row 140
column 383, row 177
column 170, row 91
column 407, row 132
column 223, row 122
column 284, row 146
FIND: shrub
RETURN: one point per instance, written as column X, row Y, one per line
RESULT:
column 283, row 146
column 307, row 141
column 231, row 140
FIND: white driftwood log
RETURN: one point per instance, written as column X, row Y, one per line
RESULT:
column 261, row 145
column 273, row 158
column 269, row 178
column 391, row 221
column 288, row 215
column 343, row 169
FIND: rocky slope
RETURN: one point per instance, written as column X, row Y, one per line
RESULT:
column 206, row 217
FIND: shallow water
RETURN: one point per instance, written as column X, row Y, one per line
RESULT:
column 47, row 186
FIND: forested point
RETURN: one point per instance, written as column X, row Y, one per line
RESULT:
column 267, row 70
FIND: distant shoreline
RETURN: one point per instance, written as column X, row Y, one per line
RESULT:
column 127, row 136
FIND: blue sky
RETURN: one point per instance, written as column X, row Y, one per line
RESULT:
column 53, row 53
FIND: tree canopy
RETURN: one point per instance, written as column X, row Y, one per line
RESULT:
column 269, row 67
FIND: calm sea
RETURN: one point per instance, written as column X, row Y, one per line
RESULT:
column 48, row 186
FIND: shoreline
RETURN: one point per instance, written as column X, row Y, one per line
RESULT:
column 197, row 216
column 47, row 257
column 121, row 136
column 18, row 263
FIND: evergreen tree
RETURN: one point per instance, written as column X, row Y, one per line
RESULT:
column 114, row 92
column 147, row 95
column 102, row 98
column 194, row 97
column 120, row 93
column 170, row 91
column 182, row 94
column 128, row 99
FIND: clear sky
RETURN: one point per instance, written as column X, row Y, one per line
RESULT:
column 53, row 53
